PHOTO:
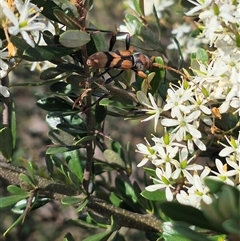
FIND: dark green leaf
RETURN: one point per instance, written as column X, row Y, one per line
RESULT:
column 6, row 142
column 188, row 214
column 41, row 53
column 54, row 104
column 11, row 200
column 61, row 88
column 213, row 185
column 157, row 195
column 74, row 38
column 82, row 224
column 181, row 232
column 64, row 19
column 126, row 190
column 232, row 226
column 99, row 236
column 61, row 137
column 159, row 75
column 47, row 8
column 50, row 73
column 60, row 149
column 113, row 158
column 150, row 39
column 68, row 237
column 100, row 220
column 100, row 113
column 73, row 129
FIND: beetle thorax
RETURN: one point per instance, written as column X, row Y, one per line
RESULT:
column 141, row 61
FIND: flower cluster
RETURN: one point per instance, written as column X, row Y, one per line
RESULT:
column 215, row 83
column 22, row 18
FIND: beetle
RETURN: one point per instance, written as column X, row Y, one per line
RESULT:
column 120, row 59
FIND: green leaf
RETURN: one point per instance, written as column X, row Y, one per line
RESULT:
column 74, row 163
column 50, row 73
column 137, row 7
column 188, row 214
column 11, row 200
column 126, row 190
column 71, row 200
column 64, row 19
column 99, row 236
column 201, row 55
column 98, row 42
column 149, row 37
column 13, row 125
column 6, row 142
column 54, row 104
column 117, row 147
column 14, row 224
column 113, row 158
column 15, row 190
column 82, row 206
column 232, row 226
column 159, row 75
column 49, row 163
column 115, row 200
column 181, row 232
column 82, row 224
column 61, row 137
column 47, row 8
column 213, row 185
column 149, row 171
column 30, row 171
column 26, row 179
column 157, row 195
column 74, row 38
column 60, row 149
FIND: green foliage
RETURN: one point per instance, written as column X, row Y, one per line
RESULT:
column 78, row 103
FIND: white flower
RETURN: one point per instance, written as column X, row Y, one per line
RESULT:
column 163, row 181
column 223, row 174
column 3, row 69
column 184, row 166
column 165, row 155
column 176, row 101
column 200, row 190
column 184, row 126
column 154, row 111
column 199, row 6
column 25, row 22
column 148, row 153
column 4, row 91
column 233, row 148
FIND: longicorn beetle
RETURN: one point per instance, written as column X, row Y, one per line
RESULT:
column 120, row 59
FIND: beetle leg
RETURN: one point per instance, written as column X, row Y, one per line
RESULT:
column 112, row 77
column 112, row 41
column 143, row 75
column 127, row 41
